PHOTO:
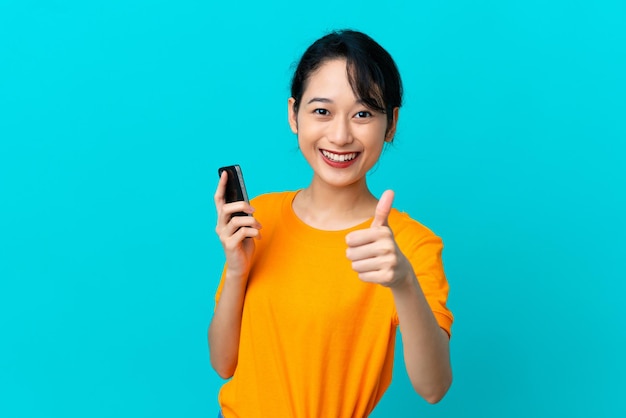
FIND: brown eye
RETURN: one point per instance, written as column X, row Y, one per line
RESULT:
column 363, row 114
column 322, row 112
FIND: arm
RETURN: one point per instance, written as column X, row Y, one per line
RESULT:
column 426, row 345
column 235, row 233
column 225, row 327
column 377, row 259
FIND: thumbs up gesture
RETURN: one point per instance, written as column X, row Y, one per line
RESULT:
column 373, row 251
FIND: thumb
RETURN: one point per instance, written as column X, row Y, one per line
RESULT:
column 383, row 208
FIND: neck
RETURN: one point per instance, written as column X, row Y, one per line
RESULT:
column 334, row 208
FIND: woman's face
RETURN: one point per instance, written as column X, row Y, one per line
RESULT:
column 339, row 136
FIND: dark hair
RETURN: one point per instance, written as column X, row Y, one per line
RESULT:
column 372, row 73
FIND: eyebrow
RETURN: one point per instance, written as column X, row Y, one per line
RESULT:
column 325, row 100
column 319, row 99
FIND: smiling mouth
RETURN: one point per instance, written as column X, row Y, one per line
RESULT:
column 339, row 158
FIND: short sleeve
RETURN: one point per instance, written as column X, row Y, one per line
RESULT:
column 424, row 251
column 426, row 259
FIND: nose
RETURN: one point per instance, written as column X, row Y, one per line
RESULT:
column 339, row 132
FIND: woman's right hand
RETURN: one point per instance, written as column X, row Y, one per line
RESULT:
column 237, row 235
column 235, row 231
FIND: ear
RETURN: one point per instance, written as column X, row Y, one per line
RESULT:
column 292, row 115
column 391, row 131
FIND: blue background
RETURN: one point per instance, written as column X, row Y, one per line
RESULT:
column 114, row 117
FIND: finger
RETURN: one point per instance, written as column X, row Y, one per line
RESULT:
column 231, row 236
column 371, row 264
column 238, row 222
column 372, row 251
column 228, row 229
column 363, row 237
column 381, row 277
column 243, row 233
column 226, row 211
column 234, row 242
column 239, row 206
column 383, row 208
column 221, row 190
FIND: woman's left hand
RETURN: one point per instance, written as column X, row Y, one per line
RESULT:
column 373, row 251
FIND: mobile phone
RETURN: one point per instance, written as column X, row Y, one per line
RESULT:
column 235, row 187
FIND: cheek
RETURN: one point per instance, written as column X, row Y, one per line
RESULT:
column 309, row 131
column 373, row 135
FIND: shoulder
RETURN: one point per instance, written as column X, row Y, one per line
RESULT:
column 401, row 222
column 271, row 200
column 409, row 232
column 269, row 206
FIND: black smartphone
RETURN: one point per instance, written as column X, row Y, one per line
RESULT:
column 235, row 187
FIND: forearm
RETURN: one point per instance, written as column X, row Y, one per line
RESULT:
column 225, row 327
column 426, row 345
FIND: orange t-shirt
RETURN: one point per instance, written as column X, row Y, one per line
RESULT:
column 315, row 340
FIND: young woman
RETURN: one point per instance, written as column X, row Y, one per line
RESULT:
column 306, row 314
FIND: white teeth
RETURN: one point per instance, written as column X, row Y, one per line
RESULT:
column 339, row 157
